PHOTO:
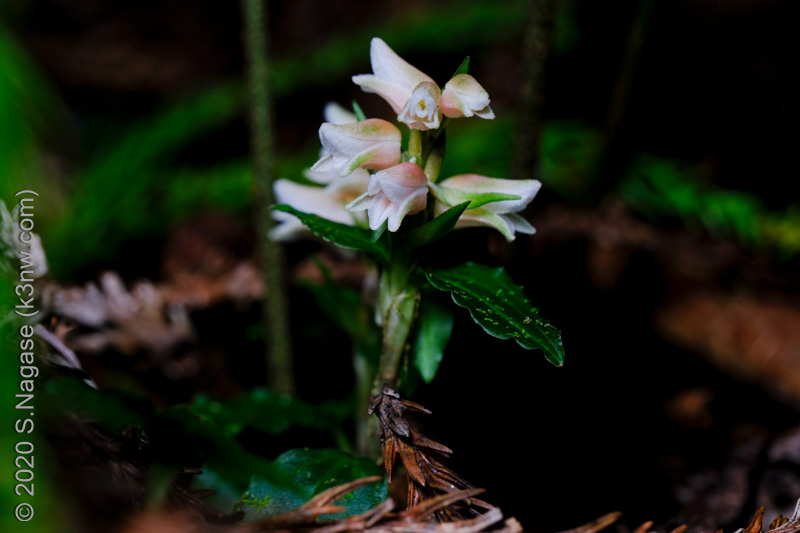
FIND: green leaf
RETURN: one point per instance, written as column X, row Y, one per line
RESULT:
column 436, row 228
column 498, row 305
column 269, row 412
column 378, row 233
column 435, row 328
column 310, row 472
column 462, row 68
column 346, row 308
column 359, row 113
column 341, row 234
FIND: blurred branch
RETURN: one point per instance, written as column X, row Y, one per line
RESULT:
column 633, row 52
column 607, row 164
column 536, row 48
column 280, row 372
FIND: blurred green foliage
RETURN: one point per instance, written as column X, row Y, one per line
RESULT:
column 269, row 412
column 30, row 115
column 116, row 196
column 665, row 190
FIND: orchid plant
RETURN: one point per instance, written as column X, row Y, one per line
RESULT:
column 364, row 166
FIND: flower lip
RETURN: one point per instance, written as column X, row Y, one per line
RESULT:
column 392, row 194
column 421, row 111
column 393, row 78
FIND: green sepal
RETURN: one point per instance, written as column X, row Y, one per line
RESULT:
column 462, row 68
column 436, row 228
column 359, row 113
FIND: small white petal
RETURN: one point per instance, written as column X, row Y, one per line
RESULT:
column 336, row 114
column 422, row 112
column 393, row 79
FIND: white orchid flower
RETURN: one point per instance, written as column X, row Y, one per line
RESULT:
column 393, row 79
column 327, row 202
column 335, row 114
column 392, row 194
column 373, row 144
column 463, row 96
column 495, row 202
column 421, row 112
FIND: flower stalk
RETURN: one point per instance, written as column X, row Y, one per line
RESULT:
column 280, row 369
column 399, row 301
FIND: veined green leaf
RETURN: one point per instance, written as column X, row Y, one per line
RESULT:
column 310, row 472
column 341, row 234
column 498, row 305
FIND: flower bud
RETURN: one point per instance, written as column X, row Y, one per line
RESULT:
column 463, row 96
column 371, row 144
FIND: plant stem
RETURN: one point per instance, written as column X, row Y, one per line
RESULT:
column 367, row 443
column 399, row 302
column 280, row 372
column 415, row 146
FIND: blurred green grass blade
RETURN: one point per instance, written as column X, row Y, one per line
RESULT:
column 113, row 192
column 29, row 112
column 665, row 190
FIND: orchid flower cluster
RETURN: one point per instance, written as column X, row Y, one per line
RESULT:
column 364, row 168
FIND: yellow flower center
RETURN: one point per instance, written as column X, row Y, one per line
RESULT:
column 422, row 105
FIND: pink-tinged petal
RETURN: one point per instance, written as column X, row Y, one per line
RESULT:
column 336, row 114
column 463, row 96
column 393, row 78
column 372, row 144
column 392, row 194
column 421, row 111
column 396, row 96
column 389, row 66
column 414, row 203
column 406, row 175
